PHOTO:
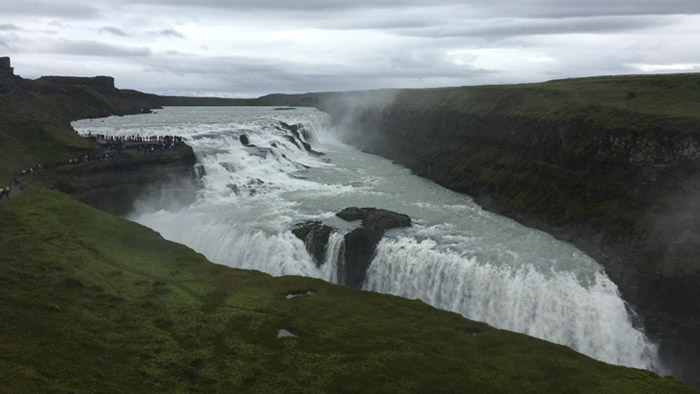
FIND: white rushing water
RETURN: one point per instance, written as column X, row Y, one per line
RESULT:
column 456, row 256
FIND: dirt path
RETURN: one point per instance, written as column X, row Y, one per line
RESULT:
column 15, row 190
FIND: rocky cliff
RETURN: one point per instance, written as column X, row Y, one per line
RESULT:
column 116, row 185
column 7, row 75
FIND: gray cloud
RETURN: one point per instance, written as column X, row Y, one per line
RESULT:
column 170, row 33
column 95, row 48
column 113, row 30
column 521, row 27
column 223, row 66
column 576, row 8
column 317, row 45
column 382, row 22
column 8, row 41
column 259, row 76
column 493, row 8
column 49, row 8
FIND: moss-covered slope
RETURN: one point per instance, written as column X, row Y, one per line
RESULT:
column 94, row 303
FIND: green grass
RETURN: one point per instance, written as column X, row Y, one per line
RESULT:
column 621, row 102
column 26, row 142
column 95, row 303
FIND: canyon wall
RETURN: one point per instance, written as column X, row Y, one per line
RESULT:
column 609, row 164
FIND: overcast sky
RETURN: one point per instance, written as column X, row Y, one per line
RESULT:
column 247, row 48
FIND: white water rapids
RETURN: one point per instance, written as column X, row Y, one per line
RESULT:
column 456, row 256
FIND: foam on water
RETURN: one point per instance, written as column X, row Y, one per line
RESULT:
column 591, row 319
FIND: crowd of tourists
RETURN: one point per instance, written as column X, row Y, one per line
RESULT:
column 145, row 144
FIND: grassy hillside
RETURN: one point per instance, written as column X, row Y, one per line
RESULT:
column 26, row 141
column 94, row 303
column 618, row 101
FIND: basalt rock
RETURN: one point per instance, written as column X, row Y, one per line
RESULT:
column 361, row 243
column 296, row 137
column 374, row 218
column 360, row 246
column 115, row 185
column 351, row 214
column 291, row 127
column 315, row 235
column 244, row 140
column 8, row 81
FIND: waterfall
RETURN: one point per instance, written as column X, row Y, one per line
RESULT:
column 261, row 175
column 557, row 307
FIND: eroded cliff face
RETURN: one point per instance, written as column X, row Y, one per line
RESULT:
column 629, row 196
column 119, row 184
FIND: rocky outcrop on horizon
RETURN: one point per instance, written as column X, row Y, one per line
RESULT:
column 8, row 81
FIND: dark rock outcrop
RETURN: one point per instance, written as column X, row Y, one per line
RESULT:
column 373, row 218
column 244, row 140
column 293, row 128
column 115, row 185
column 361, row 243
column 8, row 81
column 360, row 246
column 352, row 214
column 296, row 138
column 315, row 235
